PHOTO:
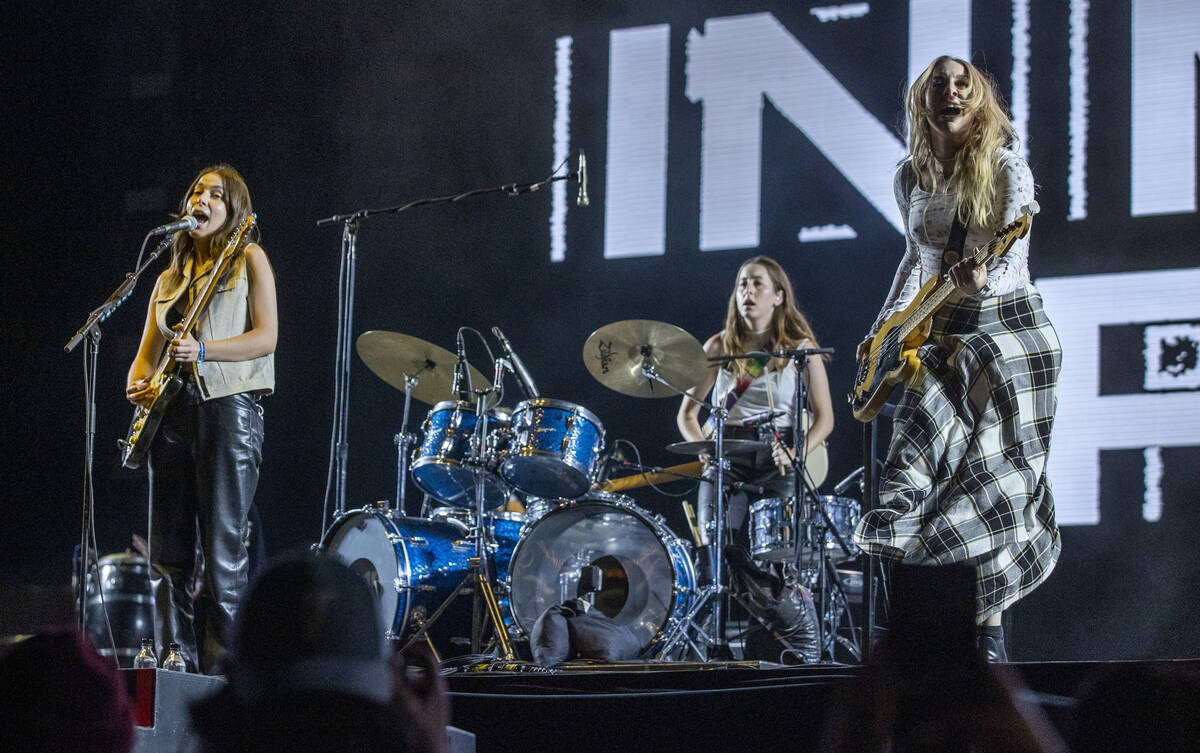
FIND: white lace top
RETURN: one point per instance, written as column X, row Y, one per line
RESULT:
column 927, row 221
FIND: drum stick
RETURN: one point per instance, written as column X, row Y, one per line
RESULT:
column 690, row 513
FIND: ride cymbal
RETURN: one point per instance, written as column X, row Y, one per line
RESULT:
column 392, row 355
column 616, row 353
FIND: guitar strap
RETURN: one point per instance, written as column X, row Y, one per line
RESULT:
column 954, row 246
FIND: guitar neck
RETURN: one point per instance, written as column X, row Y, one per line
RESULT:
column 940, row 293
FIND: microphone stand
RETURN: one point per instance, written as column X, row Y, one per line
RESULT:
column 91, row 356
column 339, row 444
column 803, row 487
column 479, row 576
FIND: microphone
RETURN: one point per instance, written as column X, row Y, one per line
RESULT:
column 845, row 483
column 187, row 223
column 462, row 375
column 582, row 201
column 522, row 374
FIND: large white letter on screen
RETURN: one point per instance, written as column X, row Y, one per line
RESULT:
column 1088, row 422
column 1166, row 37
column 730, row 67
column 635, row 178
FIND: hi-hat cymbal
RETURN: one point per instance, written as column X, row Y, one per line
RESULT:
column 391, row 355
column 709, row 447
column 615, row 353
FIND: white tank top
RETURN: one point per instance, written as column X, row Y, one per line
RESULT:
column 754, row 402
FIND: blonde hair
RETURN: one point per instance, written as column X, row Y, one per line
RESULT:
column 789, row 327
column 976, row 163
column 237, row 201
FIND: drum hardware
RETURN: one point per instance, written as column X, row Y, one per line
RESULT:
column 631, row 357
column 803, row 495
column 420, row 370
column 485, row 608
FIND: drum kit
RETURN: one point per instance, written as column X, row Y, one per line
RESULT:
column 519, row 515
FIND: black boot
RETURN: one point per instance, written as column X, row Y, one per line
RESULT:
column 990, row 639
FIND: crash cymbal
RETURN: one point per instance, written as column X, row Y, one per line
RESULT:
column 614, row 354
column 709, row 447
column 391, row 355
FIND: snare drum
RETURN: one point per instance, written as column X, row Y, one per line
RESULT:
column 647, row 581
column 555, row 448
column 772, row 537
column 439, row 465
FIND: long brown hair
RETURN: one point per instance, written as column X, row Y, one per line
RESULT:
column 976, row 162
column 237, row 202
column 789, row 327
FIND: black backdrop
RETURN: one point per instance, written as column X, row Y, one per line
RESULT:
column 329, row 107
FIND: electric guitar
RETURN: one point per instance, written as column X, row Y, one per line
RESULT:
column 168, row 378
column 893, row 351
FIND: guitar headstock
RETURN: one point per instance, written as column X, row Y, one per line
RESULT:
column 235, row 240
column 1015, row 230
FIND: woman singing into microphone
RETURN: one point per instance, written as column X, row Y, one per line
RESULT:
column 204, row 460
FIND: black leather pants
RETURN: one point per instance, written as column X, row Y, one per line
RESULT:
column 204, row 464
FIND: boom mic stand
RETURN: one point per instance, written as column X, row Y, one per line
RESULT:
column 91, row 330
column 339, row 442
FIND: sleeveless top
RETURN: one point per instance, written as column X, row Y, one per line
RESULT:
column 754, row 402
column 227, row 315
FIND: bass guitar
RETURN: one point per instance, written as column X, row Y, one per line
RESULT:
column 892, row 357
column 168, row 378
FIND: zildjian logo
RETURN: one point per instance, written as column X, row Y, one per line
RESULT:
column 606, row 355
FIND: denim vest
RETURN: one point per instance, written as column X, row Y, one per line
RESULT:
column 227, row 315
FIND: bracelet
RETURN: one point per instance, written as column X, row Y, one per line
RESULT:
column 200, row 358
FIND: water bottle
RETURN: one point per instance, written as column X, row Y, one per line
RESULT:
column 174, row 660
column 145, row 658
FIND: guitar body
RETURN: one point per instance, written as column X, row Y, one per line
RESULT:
column 146, row 419
column 892, row 357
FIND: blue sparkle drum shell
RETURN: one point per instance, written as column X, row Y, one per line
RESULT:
column 439, row 465
column 648, row 582
column 555, row 448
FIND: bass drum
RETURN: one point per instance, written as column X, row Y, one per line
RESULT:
column 647, row 581
column 412, row 565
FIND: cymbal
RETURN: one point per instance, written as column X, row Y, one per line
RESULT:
column 614, row 355
column 709, row 447
column 391, row 355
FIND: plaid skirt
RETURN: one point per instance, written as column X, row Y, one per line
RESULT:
column 965, row 479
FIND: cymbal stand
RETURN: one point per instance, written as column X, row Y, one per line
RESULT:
column 479, row 575
column 715, row 592
column 404, row 440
